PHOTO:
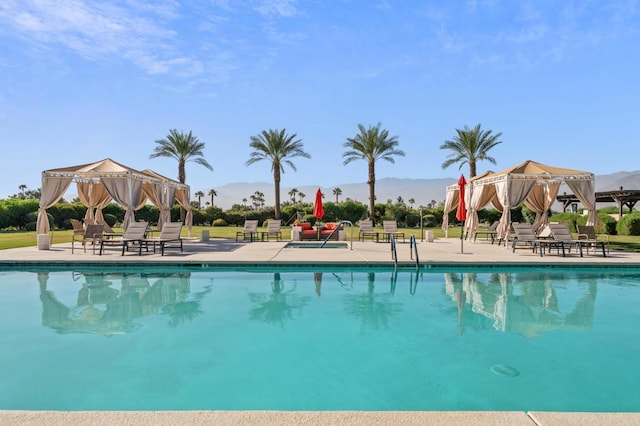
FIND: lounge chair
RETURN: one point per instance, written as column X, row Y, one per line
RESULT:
column 389, row 228
column 273, row 230
column 109, row 232
column 91, row 233
column 561, row 232
column 366, row 231
column 249, row 231
column 589, row 239
column 170, row 233
column 525, row 235
column 78, row 227
column 489, row 233
column 135, row 233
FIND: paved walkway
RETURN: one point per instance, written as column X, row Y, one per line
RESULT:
column 438, row 252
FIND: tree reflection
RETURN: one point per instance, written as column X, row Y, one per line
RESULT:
column 279, row 306
column 373, row 310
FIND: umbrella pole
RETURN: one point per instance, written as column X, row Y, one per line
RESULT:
column 462, row 238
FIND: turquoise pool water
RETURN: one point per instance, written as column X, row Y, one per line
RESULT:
column 320, row 339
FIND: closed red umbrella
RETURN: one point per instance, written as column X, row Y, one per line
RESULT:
column 318, row 210
column 461, row 213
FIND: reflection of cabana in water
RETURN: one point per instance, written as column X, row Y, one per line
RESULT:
column 102, row 309
column 105, row 181
column 525, row 306
column 533, row 184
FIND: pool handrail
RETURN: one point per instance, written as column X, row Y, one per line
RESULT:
column 394, row 252
column 336, row 229
column 413, row 248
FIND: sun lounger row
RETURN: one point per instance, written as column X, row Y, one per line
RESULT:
column 134, row 235
column 561, row 240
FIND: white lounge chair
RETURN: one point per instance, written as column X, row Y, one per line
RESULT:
column 273, row 230
column 249, row 231
column 135, row 233
column 389, row 228
column 366, row 231
column 170, row 233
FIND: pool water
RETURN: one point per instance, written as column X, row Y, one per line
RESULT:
column 320, row 339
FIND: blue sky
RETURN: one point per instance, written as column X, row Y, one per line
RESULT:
column 85, row 80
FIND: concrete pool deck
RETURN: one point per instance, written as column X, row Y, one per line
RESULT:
column 445, row 252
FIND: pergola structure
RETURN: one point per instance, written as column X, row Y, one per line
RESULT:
column 622, row 198
column 104, row 181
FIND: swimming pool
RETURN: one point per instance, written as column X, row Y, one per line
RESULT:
column 164, row 338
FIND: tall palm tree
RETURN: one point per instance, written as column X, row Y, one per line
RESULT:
column 199, row 194
column 278, row 147
column 337, row 192
column 212, row 193
column 292, row 194
column 470, row 146
column 301, row 196
column 371, row 144
column 183, row 147
column 411, row 201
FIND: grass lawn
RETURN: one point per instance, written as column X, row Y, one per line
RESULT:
column 15, row 239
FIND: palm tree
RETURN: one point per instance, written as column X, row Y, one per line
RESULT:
column 301, row 196
column 199, row 194
column 212, row 193
column 22, row 188
column 470, row 146
column 183, row 147
column 292, row 194
column 278, row 147
column 411, row 202
column 371, row 145
column 337, row 192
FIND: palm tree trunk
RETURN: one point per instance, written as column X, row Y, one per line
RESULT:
column 472, row 168
column 372, row 190
column 181, row 179
column 276, row 180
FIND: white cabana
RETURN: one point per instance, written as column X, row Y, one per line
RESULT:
column 534, row 184
column 101, row 182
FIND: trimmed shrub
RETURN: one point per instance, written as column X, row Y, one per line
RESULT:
column 110, row 219
column 219, row 222
column 629, row 224
column 571, row 219
column 429, row 221
column 413, row 220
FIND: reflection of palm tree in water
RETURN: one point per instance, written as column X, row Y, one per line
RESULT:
column 317, row 281
column 374, row 310
column 278, row 306
column 460, row 299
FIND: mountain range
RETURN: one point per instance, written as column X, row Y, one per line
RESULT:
column 423, row 191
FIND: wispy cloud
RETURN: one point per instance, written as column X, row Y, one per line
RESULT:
column 159, row 36
column 93, row 30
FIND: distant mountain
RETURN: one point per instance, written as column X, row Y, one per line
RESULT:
column 423, row 191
